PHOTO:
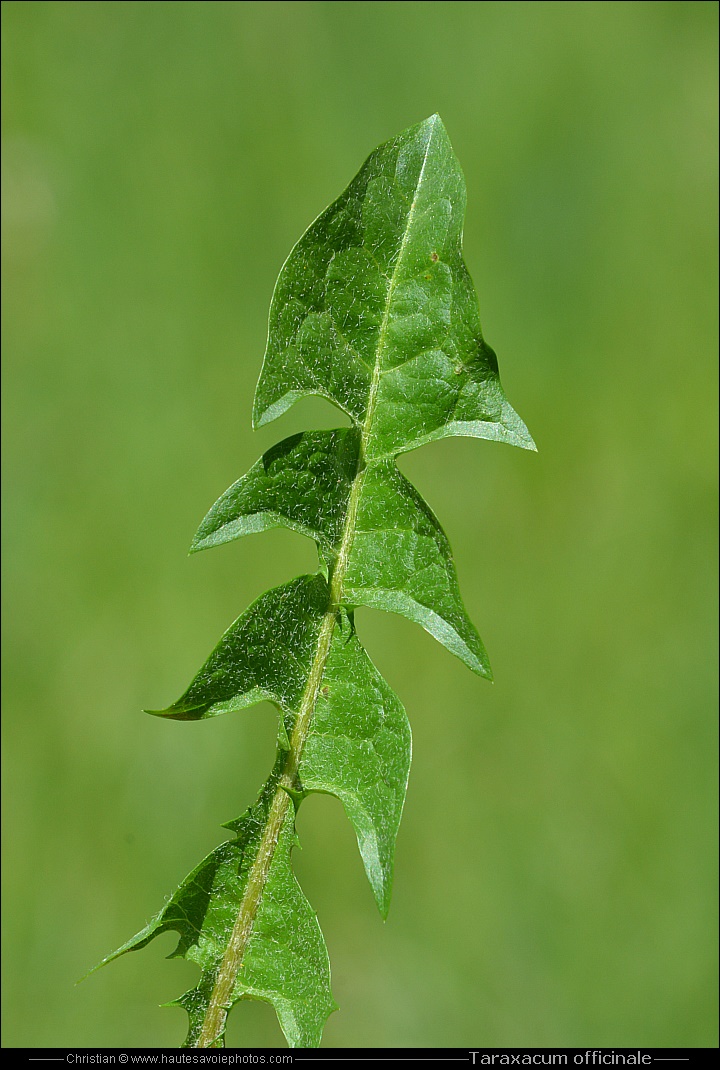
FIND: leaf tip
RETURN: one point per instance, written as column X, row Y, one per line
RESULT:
column 516, row 428
column 479, row 663
column 178, row 712
column 201, row 542
column 529, row 443
column 428, row 127
column 260, row 417
column 99, row 965
column 89, row 973
column 170, row 714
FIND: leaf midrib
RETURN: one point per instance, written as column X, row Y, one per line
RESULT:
column 220, row 999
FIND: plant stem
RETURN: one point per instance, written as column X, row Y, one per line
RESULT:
column 220, row 1000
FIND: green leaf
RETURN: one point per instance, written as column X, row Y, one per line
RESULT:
column 285, row 961
column 265, row 654
column 399, row 559
column 302, row 483
column 375, row 311
column 358, row 749
column 358, row 746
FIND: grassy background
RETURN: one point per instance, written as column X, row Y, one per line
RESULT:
column 555, row 868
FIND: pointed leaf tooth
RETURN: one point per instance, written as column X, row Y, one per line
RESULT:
column 401, row 562
column 302, row 483
column 265, row 654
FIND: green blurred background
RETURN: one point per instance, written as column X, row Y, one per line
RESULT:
column 555, row 880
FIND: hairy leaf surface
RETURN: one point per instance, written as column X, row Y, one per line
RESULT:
column 375, row 311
